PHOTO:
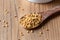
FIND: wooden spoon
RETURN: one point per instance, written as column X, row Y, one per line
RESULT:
column 50, row 12
column 45, row 15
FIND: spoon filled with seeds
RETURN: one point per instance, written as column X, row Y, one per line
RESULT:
column 33, row 20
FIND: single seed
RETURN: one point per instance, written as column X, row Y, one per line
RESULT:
column 22, row 17
column 46, row 39
column 40, row 33
column 0, row 20
column 47, row 29
column 6, row 22
column 23, row 9
column 6, row 25
column 7, row 12
column 21, row 34
column 31, row 31
column 15, row 16
column 28, row 31
column 19, row 7
column 3, row 21
column 18, row 39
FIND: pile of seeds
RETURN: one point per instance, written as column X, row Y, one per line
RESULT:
column 31, row 20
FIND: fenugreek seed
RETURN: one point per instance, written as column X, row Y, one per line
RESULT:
column 19, row 7
column 6, row 25
column 6, row 22
column 31, row 31
column 40, row 32
column 21, row 34
column 46, row 39
column 47, row 29
column 22, row 17
column 18, row 39
column 20, row 21
column 15, row 16
column 23, row 9
column 7, row 12
column 28, row 31
column 3, row 21
column 0, row 20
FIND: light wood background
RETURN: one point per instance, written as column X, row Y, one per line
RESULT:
column 21, row 7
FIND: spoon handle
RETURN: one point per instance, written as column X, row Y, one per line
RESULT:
column 50, row 12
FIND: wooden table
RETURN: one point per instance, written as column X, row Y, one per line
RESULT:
column 12, row 10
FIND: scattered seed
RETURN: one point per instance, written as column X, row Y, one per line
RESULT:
column 47, row 29
column 6, row 22
column 6, row 25
column 19, row 7
column 0, row 20
column 21, row 34
column 28, row 31
column 18, row 39
column 31, row 31
column 3, row 21
column 7, row 12
column 23, row 9
column 40, row 33
column 15, row 16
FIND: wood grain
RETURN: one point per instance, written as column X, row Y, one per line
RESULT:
column 16, row 9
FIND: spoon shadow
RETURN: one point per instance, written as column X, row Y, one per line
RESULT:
column 47, row 20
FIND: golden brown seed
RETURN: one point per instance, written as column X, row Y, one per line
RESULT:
column 18, row 39
column 40, row 32
column 7, row 12
column 0, row 20
column 6, row 22
column 22, row 9
column 19, row 7
column 15, row 16
column 6, row 25
column 22, row 17
column 31, row 31
column 21, row 34
column 3, row 21
column 47, row 29
column 28, row 31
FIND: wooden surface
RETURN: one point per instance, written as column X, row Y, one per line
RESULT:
column 21, row 7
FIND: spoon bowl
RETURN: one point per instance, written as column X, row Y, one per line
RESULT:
column 33, row 20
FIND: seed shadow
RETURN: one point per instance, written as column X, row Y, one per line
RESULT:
column 47, row 20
